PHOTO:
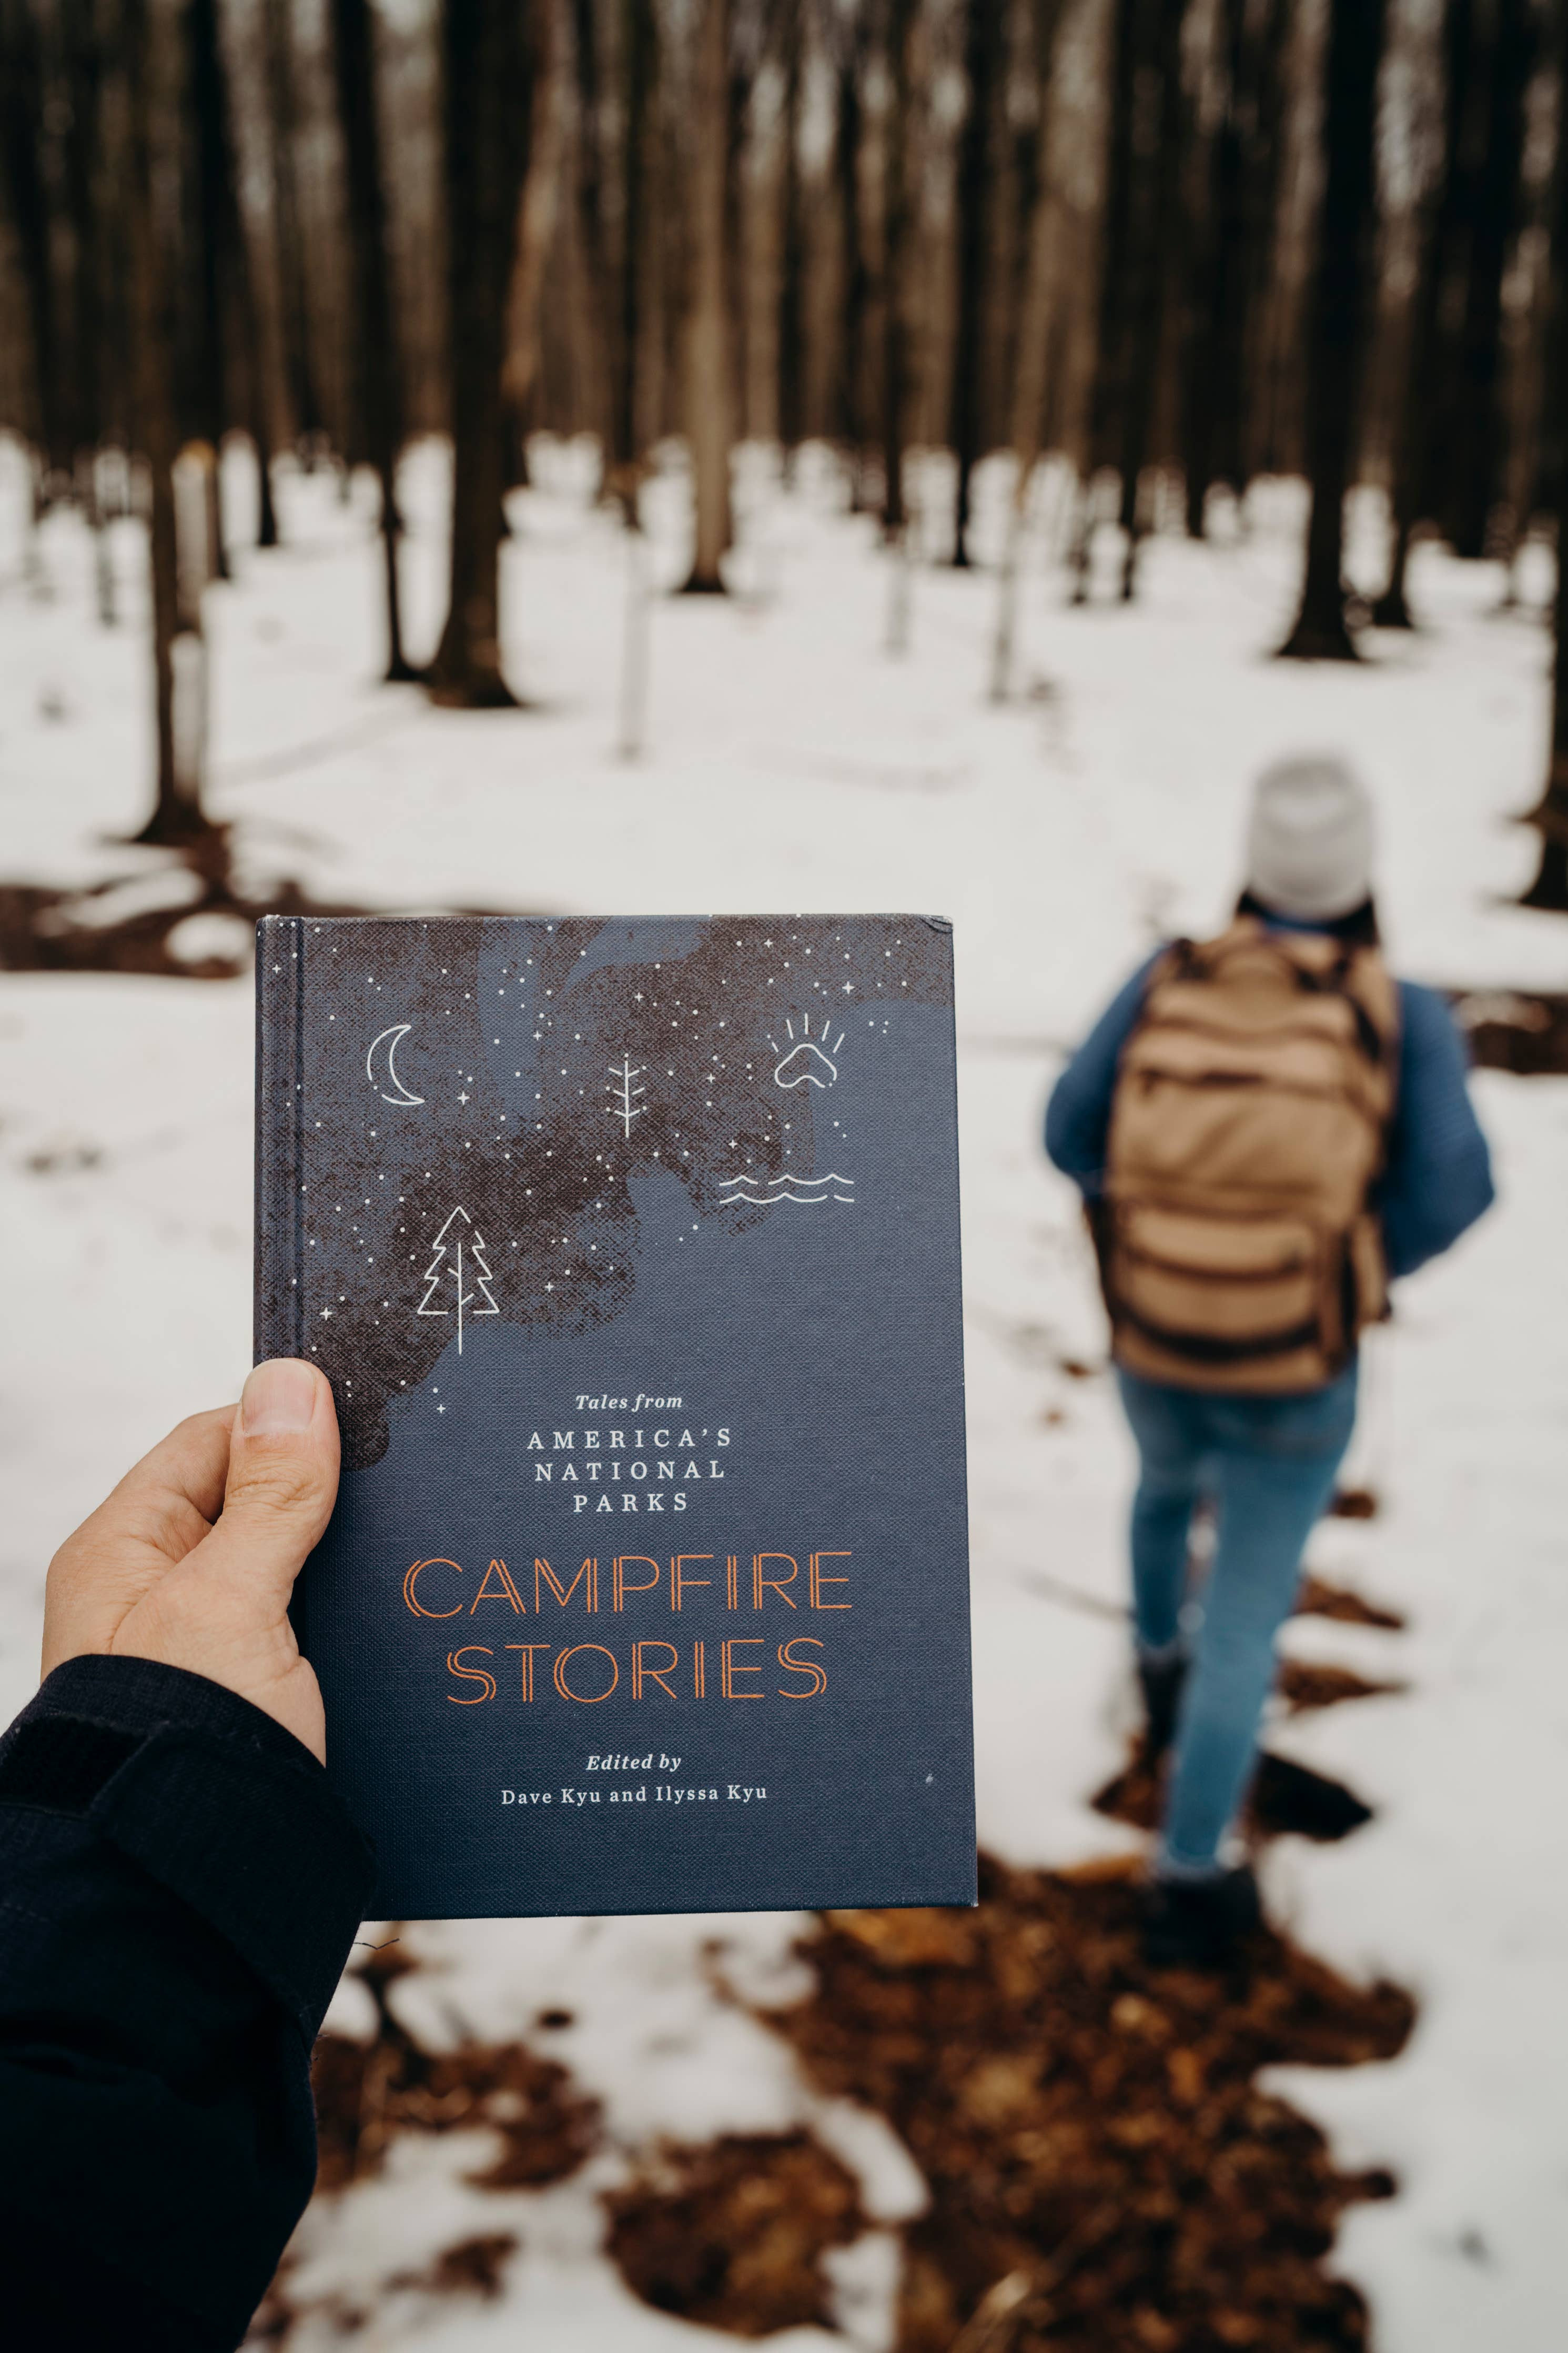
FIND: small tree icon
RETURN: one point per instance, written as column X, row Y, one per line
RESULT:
column 476, row 1271
column 625, row 1107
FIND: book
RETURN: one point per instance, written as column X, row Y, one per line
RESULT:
column 630, row 1249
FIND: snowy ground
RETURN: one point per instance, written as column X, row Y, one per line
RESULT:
column 792, row 765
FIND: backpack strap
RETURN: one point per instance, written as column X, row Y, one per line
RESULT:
column 1336, row 982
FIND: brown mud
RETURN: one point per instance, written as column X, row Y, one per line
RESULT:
column 1090, row 2129
column 1102, row 2167
column 732, row 2234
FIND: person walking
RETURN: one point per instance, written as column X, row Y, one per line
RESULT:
column 1266, row 1128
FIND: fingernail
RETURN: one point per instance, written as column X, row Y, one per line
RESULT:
column 278, row 1397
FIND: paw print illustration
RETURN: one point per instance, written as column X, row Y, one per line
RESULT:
column 806, row 1060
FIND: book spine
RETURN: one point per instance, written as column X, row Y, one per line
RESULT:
column 279, row 1303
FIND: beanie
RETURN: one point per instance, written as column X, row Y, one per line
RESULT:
column 1308, row 839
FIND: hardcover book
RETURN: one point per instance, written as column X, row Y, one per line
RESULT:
column 630, row 1249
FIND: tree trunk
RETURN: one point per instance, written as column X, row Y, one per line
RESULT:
column 486, row 119
column 791, row 239
column 638, row 70
column 1109, row 397
column 537, row 211
column 897, row 174
column 1033, row 347
column 590, row 196
column 85, row 206
column 1267, row 120
column 21, row 125
column 709, row 387
column 1549, row 815
column 1214, row 373
column 178, row 654
column 983, row 31
column 294, row 307
column 854, row 279
column 1157, row 249
column 1416, row 438
column 1338, row 317
column 210, row 203
column 1476, row 438
column 375, row 380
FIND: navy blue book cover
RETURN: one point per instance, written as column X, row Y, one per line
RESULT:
column 630, row 1249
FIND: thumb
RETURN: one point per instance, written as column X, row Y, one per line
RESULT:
column 282, row 1473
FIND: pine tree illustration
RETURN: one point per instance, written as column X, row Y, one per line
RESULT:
column 625, row 1107
column 462, row 1265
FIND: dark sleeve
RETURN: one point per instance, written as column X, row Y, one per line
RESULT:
column 1438, row 1179
column 1078, row 1117
column 179, row 1889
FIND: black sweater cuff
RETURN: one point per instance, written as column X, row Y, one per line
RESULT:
column 212, row 1798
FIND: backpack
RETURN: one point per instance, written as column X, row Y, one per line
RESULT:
column 1239, row 1249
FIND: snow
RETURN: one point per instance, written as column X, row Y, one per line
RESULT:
column 791, row 764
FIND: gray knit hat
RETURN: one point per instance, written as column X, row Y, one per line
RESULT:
column 1308, row 839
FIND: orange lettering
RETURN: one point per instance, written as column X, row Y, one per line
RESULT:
column 412, row 1598
column 506, row 1590
column 819, row 1581
column 678, row 1583
column 474, row 1675
column 588, row 1699
column 528, row 1650
column 730, row 1667
column 760, row 1583
column 587, row 1577
column 802, row 1667
column 618, row 1572
column 654, row 1674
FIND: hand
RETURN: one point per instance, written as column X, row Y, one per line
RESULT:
column 193, row 1558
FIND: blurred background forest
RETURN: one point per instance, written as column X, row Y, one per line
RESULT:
column 1183, row 244
column 570, row 455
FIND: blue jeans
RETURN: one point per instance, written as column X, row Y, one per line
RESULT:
column 1268, row 1465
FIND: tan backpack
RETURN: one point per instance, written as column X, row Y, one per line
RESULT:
column 1249, row 1122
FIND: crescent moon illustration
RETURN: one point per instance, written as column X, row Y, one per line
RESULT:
column 398, row 1031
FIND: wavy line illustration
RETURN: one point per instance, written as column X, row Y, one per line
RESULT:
column 806, row 1192
column 832, row 1178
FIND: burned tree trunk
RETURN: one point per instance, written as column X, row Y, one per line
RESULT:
column 1337, row 318
column 709, row 387
column 982, row 31
column 486, row 115
column 375, row 381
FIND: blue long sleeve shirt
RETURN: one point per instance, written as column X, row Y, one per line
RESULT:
column 1437, row 1180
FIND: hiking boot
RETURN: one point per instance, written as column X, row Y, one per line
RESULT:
column 1196, row 1924
column 1160, row 1682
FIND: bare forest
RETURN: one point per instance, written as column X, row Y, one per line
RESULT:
column 1181, row 244
column 549, row 455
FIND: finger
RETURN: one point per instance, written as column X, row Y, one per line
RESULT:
column 158, row 1513
column 282, row 1478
